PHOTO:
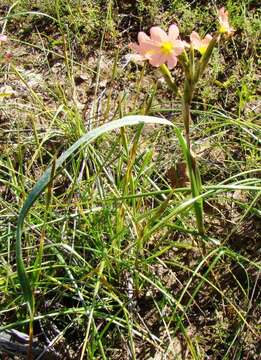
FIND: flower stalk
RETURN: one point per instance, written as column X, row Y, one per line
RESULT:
column 169, row 79
column 165, row 50
column 191, row 79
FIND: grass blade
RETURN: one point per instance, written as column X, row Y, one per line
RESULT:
column 44, row 180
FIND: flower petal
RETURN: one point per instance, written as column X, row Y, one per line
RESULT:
column 146, row 44
column 178, row 47
column 208, row 37
column 139, row 55
column 223, row 15
column 142, row 37
column 172, row 61
column 206, row 40
column 173, row 32
column 195, row 40
column 158, row 35
column 157, row 59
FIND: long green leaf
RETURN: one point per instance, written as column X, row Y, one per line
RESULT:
column 46, row 178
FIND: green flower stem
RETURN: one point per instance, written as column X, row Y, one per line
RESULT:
column 192, row 63
column 169, row 79
column 192, row 77
column 184, row 59
column 194, row 173
column 189, row 86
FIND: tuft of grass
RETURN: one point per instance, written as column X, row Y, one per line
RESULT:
column 110, row 245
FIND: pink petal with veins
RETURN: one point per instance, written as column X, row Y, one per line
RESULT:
column 158, row 35
column 145, row 42
column 136, row 48
column 195, row 39
column 207, row 40
column 172, row 61
column 157, row 59
column 178, row 47
column 173, row 33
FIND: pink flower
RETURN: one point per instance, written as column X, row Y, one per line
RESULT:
column 224, row 28
column 198, row 43
column 3, row 38
column 160, row 47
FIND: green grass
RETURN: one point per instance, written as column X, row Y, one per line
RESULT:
column 110, row 248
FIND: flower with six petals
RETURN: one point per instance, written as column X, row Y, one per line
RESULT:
column 198, row 43
column 160, row 48
column 224, row 27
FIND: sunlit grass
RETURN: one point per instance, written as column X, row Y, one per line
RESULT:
column 110, row 247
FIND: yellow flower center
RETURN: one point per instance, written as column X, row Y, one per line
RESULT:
column 166, row 48
column 222, row 29
column 202, row 49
